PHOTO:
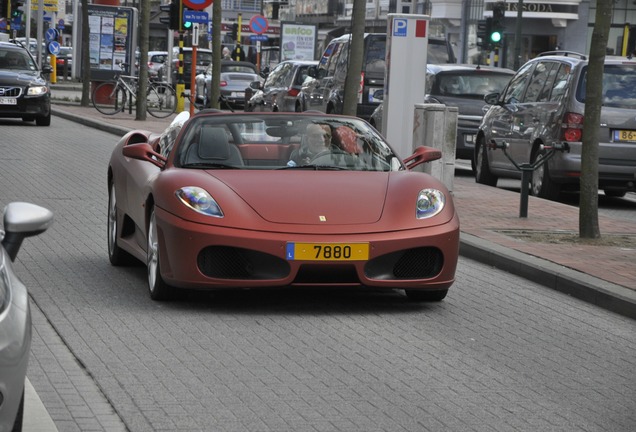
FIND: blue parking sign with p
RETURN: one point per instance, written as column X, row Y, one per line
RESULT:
column 399, row 27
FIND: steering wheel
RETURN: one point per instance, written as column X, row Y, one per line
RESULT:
column 325, row 157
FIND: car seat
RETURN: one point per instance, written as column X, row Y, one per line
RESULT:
column 213, row 146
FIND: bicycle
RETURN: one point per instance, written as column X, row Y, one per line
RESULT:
column 112, row 97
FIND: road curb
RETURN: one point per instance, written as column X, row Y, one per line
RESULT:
column 588, row 288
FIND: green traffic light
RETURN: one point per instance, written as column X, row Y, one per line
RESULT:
column 187, row 25
column 495, row 37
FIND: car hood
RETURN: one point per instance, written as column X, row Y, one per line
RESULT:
column 304, row 197
column 21, row 78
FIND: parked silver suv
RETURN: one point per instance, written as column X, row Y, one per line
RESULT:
column 544, row 104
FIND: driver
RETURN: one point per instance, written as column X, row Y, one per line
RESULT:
column 316, row 141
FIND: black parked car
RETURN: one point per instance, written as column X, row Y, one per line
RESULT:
column 24, row 93
column 464, row 87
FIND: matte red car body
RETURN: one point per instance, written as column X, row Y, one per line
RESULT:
column 265, row 209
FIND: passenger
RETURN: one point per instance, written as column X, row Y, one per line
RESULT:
column 317, row 140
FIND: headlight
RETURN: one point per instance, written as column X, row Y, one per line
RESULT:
column 429, row 203
column 199, row 200
column 37, row 91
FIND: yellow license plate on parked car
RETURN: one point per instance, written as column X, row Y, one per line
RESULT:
column 624, row 135
column 328, row 251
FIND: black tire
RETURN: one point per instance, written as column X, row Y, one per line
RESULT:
column 159, row 290
column 43, row 120
column 425, row 295
column 541, row 184
column 109, row 98
column 116, row 255
column 19, row 417
column 615, row 193
column 482, row 169
column 161, row 101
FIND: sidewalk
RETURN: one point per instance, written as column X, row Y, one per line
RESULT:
column 493, row 233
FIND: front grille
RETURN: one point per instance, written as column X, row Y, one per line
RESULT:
column 6, row 91
column 418, row 263
column 224, row 262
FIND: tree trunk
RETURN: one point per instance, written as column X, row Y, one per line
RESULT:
column 216, row 55
column 86, row 59
column 356, row 52
column 142, row 88
column 588, row 205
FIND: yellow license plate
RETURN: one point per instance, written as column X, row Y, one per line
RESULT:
column 328, row 251
column 624, row 135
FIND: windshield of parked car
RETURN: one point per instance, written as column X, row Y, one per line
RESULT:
column 16, row 59
column 619, row 86
column 475, row 83
column 283, row 142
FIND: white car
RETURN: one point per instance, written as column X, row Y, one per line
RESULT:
column 236, row 76
column 21, row 220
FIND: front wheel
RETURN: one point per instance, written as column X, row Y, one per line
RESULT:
column 109, row 98
column 159, row 290
column 161, row 100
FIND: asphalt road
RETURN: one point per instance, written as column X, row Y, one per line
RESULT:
column 500, row 353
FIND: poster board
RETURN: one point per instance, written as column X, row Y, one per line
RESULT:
column 112, row 40
column 298, row 41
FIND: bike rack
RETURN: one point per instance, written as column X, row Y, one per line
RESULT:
column 527, row 168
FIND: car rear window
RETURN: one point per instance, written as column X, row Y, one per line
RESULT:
column 374, row 62
column 619, row 86
column 470, row 83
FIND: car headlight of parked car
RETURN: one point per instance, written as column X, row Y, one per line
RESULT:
column 429, row 203
column 37, row 91
column 199, row 200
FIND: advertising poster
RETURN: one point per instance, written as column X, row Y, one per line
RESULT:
column 298, row 41
column 112, row 40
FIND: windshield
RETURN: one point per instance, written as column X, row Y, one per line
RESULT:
column 16, row 59
column 619, row 86
column 288, row 142
column 470, row 83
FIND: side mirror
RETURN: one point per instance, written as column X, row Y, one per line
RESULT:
column 144, row 152
column 255, row 85
column 421, row 155
column 22, row 220
column 47, row 69
column 491, row 98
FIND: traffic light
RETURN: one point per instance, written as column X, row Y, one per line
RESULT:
column 234, row 32
column 498, row 23
column 187, row 25
column 484, row 28
column 173, row 18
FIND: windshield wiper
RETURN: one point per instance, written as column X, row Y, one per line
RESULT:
column 208, row 165
column 314, row 167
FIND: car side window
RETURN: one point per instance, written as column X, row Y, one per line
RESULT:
column 514, row 92
column 327, row 59
column 538, row 82
column 273, row 76
column 335, row 58
column 560, row 83
column 339, row 71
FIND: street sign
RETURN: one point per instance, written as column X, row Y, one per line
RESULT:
column 51, row 35
column 197, row 4
column 258, row 24
column 261, row 38
column 54, row 47
column 195, row 16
